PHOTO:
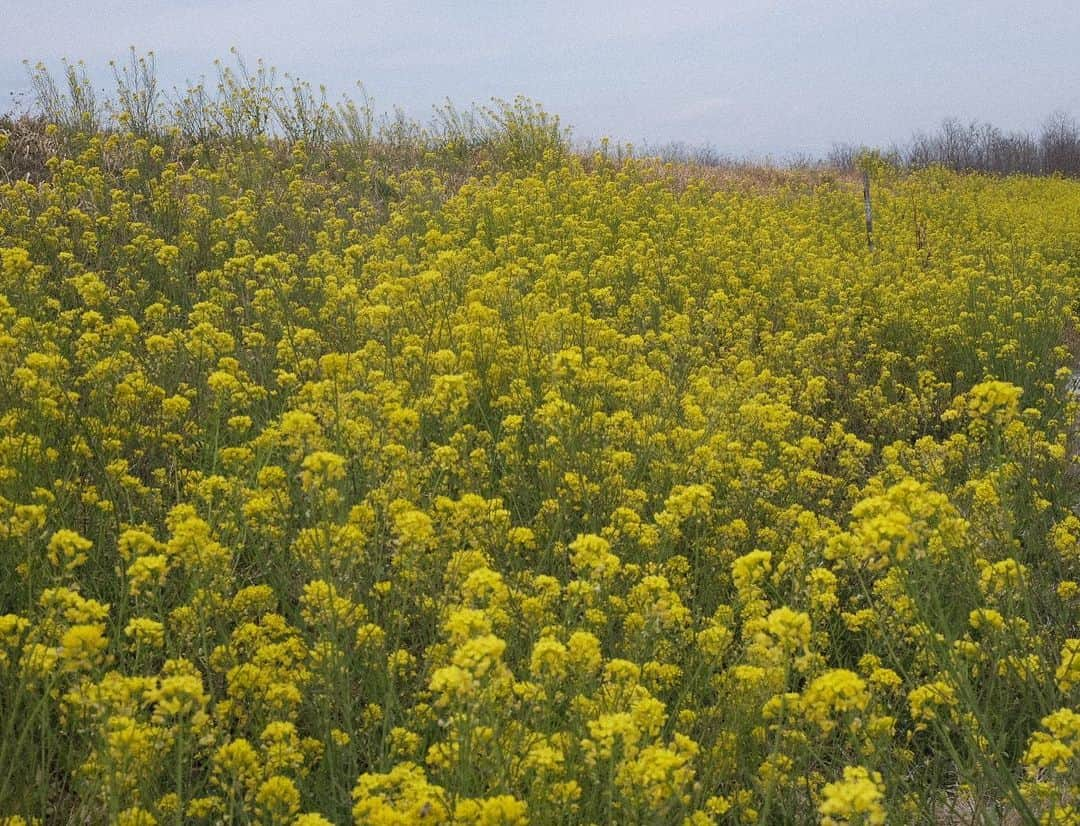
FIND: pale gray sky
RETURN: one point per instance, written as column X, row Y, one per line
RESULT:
column 764, row 77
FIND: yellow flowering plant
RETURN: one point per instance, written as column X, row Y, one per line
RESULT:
column 425, row 476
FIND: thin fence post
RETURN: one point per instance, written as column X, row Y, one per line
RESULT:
column 869, row 210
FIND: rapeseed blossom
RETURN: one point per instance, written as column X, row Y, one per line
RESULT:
column 857, row 798
column 579, row 490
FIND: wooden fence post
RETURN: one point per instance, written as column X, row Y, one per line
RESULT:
column 869, row 210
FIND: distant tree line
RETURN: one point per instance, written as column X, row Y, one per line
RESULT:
column 982, row 147
column 1054, row 148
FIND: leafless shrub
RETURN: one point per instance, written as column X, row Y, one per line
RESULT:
column 1059, row 143
column 303, row 113
column 982, row 147
column 704, row 154
column 137, row 94
column 71, row 104
column 355, row 123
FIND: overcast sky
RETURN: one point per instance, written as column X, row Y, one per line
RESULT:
column 764, row 77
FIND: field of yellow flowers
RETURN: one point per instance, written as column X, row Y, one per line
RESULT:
column 579, row 493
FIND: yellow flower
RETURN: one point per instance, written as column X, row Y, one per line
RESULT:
column 591, row 557
column 38, row 661
column 136, row 817
column 414, row 528
column 857, row 799
column 67, row 550
column 144, row 631
column 82, row 647
column 13, row 629
column 479, row 654
column 311, row 819
column 790, row 629
column 926, row 699
column 502, row 810
column 994, row 400
column 749, row 570
column 583, row 653
column 321, row 468
column 402, row 795
column 610, row 732
column 836, row 692
column 549, row 659
column 281, row 748
column 237, row 764
column 1002, row 577
column 277, row 800
column 1068, row 670
column 658, row 778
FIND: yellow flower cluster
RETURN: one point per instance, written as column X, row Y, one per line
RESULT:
column 587, row 493
column 857, row 798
